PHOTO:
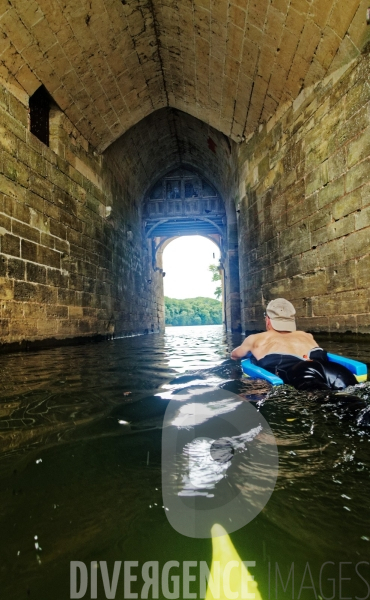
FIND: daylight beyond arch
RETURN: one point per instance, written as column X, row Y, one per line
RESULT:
column 186, row 262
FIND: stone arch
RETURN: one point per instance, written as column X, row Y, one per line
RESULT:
column 183, row 202
column 166, row 241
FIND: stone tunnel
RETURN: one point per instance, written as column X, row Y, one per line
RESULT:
column 126, row 123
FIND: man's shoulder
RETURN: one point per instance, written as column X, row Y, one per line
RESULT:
column 306, row 334
column 254, row 337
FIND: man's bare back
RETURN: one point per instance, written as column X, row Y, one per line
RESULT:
column 298, row 343
column 281, row 336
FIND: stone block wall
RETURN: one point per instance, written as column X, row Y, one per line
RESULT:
column 304, row 224
column 73, row 258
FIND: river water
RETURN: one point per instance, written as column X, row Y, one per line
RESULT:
column 80, row 468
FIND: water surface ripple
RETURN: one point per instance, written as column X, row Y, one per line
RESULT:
column 80, row 465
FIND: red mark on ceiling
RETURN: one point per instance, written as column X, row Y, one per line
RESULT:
column 211, row 145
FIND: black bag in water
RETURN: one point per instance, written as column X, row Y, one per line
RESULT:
column 315, row 375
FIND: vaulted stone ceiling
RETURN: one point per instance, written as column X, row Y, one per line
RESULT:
column 110, row 63
column 168, row 139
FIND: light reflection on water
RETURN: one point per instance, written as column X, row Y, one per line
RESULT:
column 89, row 486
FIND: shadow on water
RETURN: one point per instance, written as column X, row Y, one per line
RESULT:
column 80, row 465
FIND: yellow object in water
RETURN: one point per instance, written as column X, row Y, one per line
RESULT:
column 229, row 576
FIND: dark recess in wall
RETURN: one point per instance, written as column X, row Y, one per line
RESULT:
column 39, row 104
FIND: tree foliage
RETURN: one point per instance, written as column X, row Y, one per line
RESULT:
column 193, row 311
column 216, row 277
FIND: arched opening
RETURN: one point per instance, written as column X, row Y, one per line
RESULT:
column 184, row 202
column 192, row 295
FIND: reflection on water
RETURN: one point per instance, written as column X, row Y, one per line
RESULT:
column 80, row 464
column 208, row 460
column 200, row 471
column 195, row 414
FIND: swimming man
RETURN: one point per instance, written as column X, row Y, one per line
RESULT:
column 292, row 355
